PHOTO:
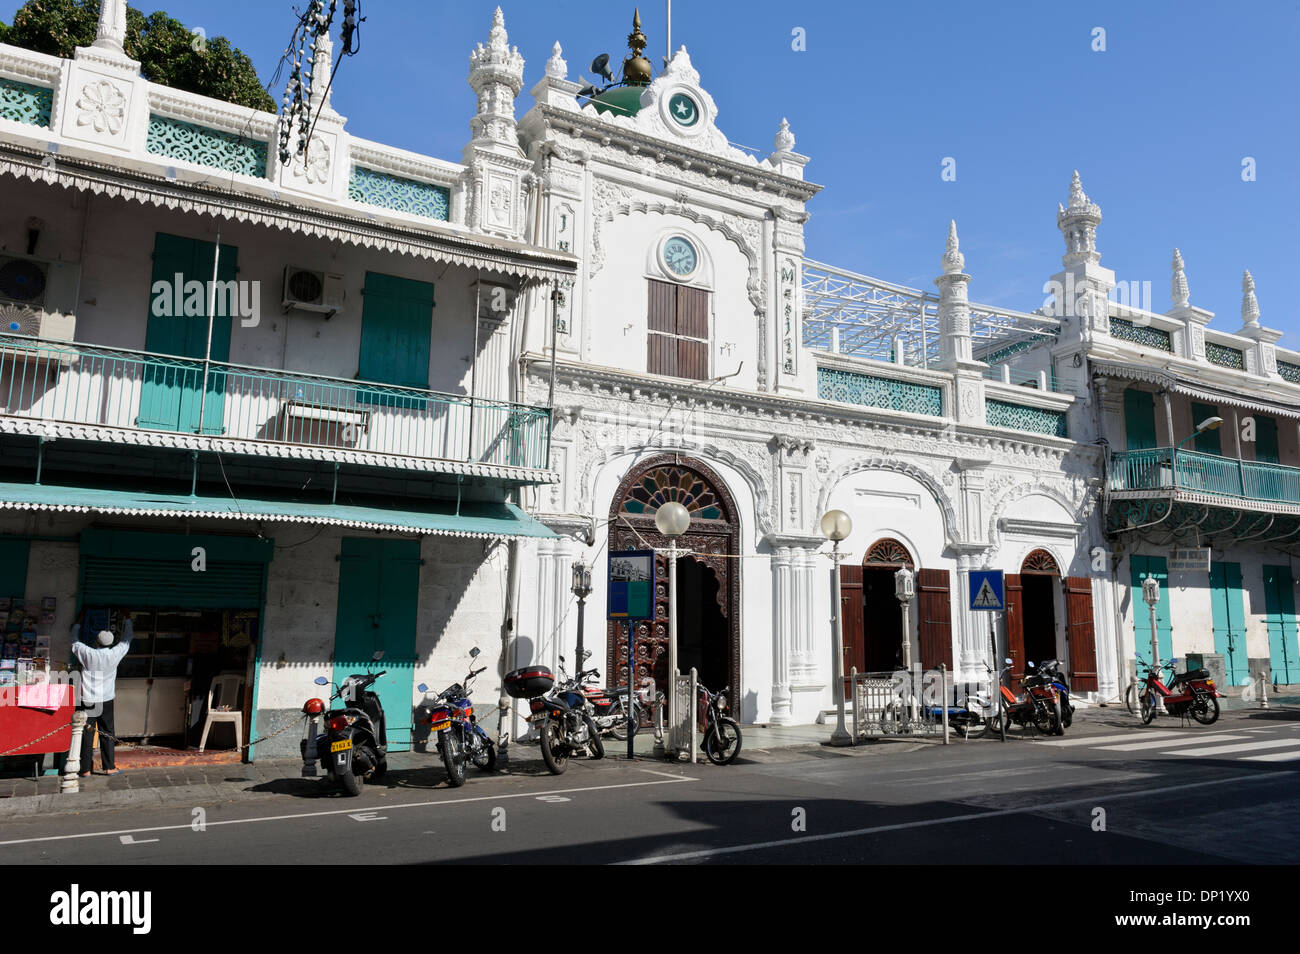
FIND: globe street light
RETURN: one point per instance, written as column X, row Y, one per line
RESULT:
column 836, row 526
column 905, row 591
column 672, row 520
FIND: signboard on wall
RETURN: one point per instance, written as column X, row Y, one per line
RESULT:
column 1189, row 560
column 631, row 584
column 986, row 591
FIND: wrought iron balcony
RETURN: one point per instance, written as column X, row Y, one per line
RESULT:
column 1166, row 471
column 138, row 391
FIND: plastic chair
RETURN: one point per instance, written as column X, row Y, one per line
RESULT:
column 227, row 689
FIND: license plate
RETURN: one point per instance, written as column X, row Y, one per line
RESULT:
column 341, row 746
column 439, row 726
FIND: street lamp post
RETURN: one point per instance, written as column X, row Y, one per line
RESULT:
column 672, row 520
column 836, row 526
column 905, row 590
column 581, row 589
column 1151, row 596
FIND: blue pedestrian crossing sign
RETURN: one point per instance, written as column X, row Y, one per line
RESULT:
column 986, row 590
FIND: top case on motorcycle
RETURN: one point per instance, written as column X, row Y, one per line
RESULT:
column 1192, row 675
column 529, row 681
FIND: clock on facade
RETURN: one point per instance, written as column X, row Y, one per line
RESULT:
column 680, row 257
column 683, row 110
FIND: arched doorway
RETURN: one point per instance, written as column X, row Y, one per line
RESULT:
column 708, row 579
column 1031, row 596
column 873, row 618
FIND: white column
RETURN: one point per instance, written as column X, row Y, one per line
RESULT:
column 554, row 575
column 784, row 614
column 804, row 662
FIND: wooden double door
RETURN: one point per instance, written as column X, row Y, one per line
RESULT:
column 872, row 618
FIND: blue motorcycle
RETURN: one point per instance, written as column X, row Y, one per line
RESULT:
column 1052, row 669
column 460, row 738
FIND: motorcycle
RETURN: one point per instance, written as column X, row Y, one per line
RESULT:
column 1040, row 707
column 1052, row 668
column 608, row 706
column 721, row 733
column 460, row 737
column 563, row 718
column 355, row 744
column 1189, row 693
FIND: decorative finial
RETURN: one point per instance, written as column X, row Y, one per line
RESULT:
column 636, row 68
column 1249, row 304
column 111, row 31
column 784, row 141
column 1078, row 221
column 556, row 68
column 1179, row 292
column 953, row 260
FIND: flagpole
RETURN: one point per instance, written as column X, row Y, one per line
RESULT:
column 668, row 33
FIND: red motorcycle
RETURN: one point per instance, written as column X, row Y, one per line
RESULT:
column 1188, row 693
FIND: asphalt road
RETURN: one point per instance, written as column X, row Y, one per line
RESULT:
column 1170, row 794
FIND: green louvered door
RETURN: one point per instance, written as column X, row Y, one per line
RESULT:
column 396, row 329
column 1139, row 419
column 178, row 326
column 13, row 568
column 1142, row 567
column 1229, row 620
column 378, row 595
column 1279, row 609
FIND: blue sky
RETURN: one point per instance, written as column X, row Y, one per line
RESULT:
column 1158, row 124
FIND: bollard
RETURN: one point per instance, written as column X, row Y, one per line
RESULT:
column 1263, row 690
column 943, row 679
column 70, row 783
column 853, row 687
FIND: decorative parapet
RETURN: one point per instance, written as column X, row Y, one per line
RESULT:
column 177, row 139
column 1021, row 417
column 1144, row 335
column 1224, row 356
column 25, row 103
column 1289, row 372
column 852, row 387
column 372, row 187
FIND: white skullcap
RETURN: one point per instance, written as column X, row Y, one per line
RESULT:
column 105, row 638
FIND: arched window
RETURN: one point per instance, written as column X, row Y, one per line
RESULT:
column 888, row 552
column 1042, row 562
column 673, row 482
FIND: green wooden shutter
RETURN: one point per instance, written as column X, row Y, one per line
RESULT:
column 1265, row 440
column 1141, row 567
column 1279, row 609
column 1229, row 619
column 1206, row 442
column 396, row 331
column 169, row 392
column 139, row 569
column 13, row 568
column 1139, row 419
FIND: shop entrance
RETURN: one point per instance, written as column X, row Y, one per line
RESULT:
column 708, row 581
column 883, row 618
column 1040, row 617
column 1031, row 617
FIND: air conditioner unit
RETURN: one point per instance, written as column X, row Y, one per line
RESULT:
column 312, row 291
column 37, row 298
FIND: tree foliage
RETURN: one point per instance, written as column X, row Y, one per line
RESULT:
column 169, row 53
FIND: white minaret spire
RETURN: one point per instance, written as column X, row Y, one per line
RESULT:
column 496, row 73
column 1249, row 304
column 1178, row 291
column 954, row 307
column 1078, row 222
column 111, row 34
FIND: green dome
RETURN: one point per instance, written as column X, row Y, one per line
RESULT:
column 620, row 101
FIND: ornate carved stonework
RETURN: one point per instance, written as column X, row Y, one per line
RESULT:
column 102, row 107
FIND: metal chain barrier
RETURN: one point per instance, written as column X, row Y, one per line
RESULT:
column 34, row 741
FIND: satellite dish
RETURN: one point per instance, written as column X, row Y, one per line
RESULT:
column 600, row 66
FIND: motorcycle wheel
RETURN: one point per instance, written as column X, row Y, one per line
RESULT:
column 453, row 757
column 1205, row 709
column 1045, row 720
column 1147, row 707
column 618, row 729
column 974, row 730
column 1067, row 716
column 1058, row 720
column 350, row 781
column 485, row 760
column 597, row 746
column 554, row 751
column 722, row 741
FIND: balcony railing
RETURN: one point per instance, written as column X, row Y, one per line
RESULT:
column 88, row 384
column 1162, row 468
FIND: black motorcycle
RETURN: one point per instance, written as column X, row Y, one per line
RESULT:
column 460, row 737
column 721, row 733
column 560, row 713
column 1052, row 669
column 1040, row 707
column 354, row 745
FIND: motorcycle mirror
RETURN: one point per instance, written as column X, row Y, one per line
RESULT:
column 422, row 687
column 321, row 681
column 379, row 654
column 586, row 654
column 1029, row 665
column 1008, row 662
column 561, row 659
column 473, row 653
